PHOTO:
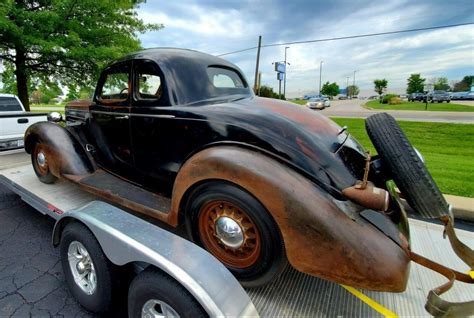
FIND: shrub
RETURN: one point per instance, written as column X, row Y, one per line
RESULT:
column 386, row 98
column 395, row 101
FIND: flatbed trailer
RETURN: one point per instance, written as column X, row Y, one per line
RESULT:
column 294, row 293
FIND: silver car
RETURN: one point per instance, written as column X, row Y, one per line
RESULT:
column 316, row 103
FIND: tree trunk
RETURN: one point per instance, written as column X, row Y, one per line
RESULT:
column 22, row 78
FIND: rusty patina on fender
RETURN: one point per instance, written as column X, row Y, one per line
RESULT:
column 348, row 250
column 65, row 155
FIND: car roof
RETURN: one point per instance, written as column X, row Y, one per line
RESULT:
column 167, row 55
column 188, row 81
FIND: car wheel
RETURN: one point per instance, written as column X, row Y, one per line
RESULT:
column 155, row 294
column 87, row 270
column 405, row 166
column 235, row 227
column 39, row 160
column 448, row 101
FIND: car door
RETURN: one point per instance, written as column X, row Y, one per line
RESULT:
column 110, row 124
column 151, row 115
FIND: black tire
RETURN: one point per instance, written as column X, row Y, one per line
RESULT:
column 269, row 261
column 42, row 171
column 405, row 167
column 448, row 101
column 100, row 300
column 153, row 284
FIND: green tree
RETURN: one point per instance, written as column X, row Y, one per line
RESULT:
column 66, row 40
column 464, row 84
column 415, row 84
column 441, row 84
column 267, row 91
column 330, row 89
column 380, row 85
column 8, row 79
column 353, row 90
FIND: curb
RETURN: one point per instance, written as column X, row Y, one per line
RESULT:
column 463, row 208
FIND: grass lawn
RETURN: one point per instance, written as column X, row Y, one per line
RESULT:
column 442, row 107
column 299, row 101
column 448, row 150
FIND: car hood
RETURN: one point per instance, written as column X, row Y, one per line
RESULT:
column 300, row 136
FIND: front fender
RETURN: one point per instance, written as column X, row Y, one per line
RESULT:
column 320, row 239
column 65, row 155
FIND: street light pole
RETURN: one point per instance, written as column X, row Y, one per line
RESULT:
column 320, row 75
column 284, row 79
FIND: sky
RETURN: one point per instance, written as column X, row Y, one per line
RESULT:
column 218, row 27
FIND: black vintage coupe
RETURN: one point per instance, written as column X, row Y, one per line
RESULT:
column 178, row 135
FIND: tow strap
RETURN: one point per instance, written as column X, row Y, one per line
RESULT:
column 435, row 305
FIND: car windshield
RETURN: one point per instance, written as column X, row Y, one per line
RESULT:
column 317, row 99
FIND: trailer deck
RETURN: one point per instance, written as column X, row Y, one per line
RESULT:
column 294, row 293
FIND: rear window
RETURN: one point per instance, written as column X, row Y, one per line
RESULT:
column 9, row 104
column 225, row 78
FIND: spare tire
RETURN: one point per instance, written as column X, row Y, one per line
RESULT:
column 407, row 169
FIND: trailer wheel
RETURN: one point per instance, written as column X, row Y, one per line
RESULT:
column 39, row 160
column 87, row 271
column 234, row 227
column 155, row 294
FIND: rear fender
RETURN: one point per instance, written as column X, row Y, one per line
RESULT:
column 65, row 154
column 320, row 238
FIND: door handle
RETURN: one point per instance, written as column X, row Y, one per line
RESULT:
column 22, row 120
column 122, row 117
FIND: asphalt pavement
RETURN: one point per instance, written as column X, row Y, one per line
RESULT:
column 353, row 108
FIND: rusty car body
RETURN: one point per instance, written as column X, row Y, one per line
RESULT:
column 178, row 135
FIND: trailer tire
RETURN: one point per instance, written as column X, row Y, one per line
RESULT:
column 405, row 166
column 260, row 257
column 39, row 161
column 154, row 292
column 78, row 243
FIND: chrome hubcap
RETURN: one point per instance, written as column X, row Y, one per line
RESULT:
column 157, row 308
column 41, row 159
column 229, row 232
column 82, row 267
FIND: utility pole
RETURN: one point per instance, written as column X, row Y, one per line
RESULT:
column 320, row 75
column 347, row 87
column 284, row 79
column 255, row 85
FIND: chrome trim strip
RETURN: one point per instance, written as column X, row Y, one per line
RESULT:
column 130, row 114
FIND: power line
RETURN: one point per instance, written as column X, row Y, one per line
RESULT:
column 352, row 37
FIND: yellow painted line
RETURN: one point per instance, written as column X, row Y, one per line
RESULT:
column 371, row 303
column 471, row 273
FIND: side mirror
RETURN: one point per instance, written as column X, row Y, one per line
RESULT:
column 55, row 117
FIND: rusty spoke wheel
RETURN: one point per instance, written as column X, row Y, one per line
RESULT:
column 39, row 159
column 234, row 227
column 229, row 234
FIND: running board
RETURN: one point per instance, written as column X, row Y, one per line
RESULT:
column 119, row 191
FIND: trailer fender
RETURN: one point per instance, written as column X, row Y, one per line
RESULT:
column 323, row 237
column 125, row 239
column 64, row 153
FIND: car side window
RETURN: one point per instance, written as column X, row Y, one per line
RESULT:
column 148, row 83
column 115, row 85
column 222, row 77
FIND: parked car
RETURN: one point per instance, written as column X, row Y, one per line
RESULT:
column 317, row 103
column 416, row 97
column 14, row 121
column 178, row 135
column 438, row 96
column 343, row 97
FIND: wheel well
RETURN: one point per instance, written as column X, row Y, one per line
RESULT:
column 189, row 192
column 30, row 141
